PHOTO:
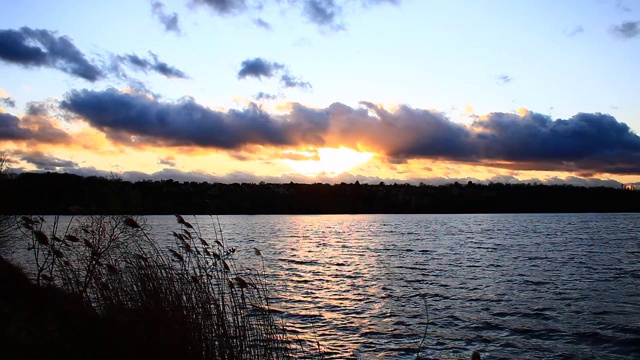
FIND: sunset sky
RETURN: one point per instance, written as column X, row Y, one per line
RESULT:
column 309, row 91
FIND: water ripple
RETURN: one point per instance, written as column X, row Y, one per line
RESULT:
column 552, row 286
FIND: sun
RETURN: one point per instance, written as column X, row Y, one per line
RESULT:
column 329, row 161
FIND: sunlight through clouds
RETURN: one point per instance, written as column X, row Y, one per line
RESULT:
column 330, row 162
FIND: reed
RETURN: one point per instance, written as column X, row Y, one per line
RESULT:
column 7, row 222
column 7, row 232
column 189, row 301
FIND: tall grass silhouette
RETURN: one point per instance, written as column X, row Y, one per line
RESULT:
column 7, row 222
column 189, row 301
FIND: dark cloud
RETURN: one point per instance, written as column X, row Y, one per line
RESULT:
column 153, row 64
column 11, row 129
column 402, row 134
column 261, row 23
column 8, row 102
column 136, row 119
column 584, row 144
column 45, row 162
column 322, row 12
column 258, row 68
column 223, row 7
column 377, row 2
column 289, row 81
column 628, row 29
column 35, row 126
column 38, row 108
column 536, row 136
column 265, row 96
column 42, row 48
column 170, row 22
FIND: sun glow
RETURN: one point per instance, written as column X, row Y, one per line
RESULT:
column 328, row 161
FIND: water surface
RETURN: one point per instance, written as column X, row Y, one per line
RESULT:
column 523, row 286
column 552, row 286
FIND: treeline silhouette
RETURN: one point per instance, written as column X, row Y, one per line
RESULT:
column 54, row 193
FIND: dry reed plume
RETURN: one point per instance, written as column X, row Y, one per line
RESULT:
column 189, row 301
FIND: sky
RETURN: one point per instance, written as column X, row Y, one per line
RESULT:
column 406, row 91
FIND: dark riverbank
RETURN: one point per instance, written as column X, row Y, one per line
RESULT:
column 53, row 193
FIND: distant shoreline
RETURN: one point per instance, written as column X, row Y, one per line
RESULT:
column 54, row 194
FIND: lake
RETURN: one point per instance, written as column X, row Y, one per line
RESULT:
column 513, row 286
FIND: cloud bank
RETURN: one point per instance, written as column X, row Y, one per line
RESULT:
column 136, row 119
column 586, row 143
column 47, row 162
